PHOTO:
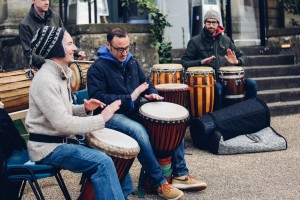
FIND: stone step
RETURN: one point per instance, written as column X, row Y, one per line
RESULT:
column 260, row 50
column 280, row 82
column 278, row 70
column 284, row 108
column 259, row 60
column 279, row 95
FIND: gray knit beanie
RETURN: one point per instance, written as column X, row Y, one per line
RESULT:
column 212, row 14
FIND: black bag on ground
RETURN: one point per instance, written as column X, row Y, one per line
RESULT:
column 209, row 132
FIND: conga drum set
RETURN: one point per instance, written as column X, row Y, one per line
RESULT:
column 166, row 124
column 201, row 82
column 174, row 93
column 79, row 74
column 120, row 147
column 232, row 79
column 167, row 73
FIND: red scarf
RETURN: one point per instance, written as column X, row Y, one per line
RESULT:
column 219, row 31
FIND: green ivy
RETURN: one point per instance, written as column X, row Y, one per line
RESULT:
column 157, row 27
column 291, row 6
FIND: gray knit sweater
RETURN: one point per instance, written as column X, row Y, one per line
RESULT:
column 51, row 111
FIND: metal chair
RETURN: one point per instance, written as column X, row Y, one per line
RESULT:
column 15, row 168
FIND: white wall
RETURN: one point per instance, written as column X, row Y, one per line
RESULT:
column 178, row 16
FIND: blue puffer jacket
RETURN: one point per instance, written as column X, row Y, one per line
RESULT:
column 109, row 80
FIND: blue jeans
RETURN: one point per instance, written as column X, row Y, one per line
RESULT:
column 94, row 164
column 250, row 88
column 146, row 156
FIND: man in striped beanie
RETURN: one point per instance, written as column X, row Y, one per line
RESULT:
column 54, row 121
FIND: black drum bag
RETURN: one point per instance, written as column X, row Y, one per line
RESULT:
column 245, row 117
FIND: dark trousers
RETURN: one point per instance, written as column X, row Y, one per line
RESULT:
column 250, row 88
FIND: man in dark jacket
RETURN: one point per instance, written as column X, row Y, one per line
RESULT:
column 117, row 75
column 212, row 48
column 39, row 15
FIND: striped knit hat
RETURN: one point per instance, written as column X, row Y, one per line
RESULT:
column 47, row 42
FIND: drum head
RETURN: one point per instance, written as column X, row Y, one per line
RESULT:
column 231, row 69
column 113, row 143
column 164, row 112
column 200, row 70
column 166, row 67
column 76, row 78
column 171, row 86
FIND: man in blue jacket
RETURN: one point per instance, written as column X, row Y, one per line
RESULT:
column 117, row 75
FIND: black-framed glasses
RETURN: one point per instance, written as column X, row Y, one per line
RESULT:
column 121, row 50
column 208, row 22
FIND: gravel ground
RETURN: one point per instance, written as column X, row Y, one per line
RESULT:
column 262, row 176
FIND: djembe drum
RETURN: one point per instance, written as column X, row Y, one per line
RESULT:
column 232, row 79
column 166, row 124
column 167, row 73
column 120, row 147
column 14, row 90
column 174, row 93
column 79, row 74
column 201, row 82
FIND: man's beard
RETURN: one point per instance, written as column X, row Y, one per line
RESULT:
column 211, row 31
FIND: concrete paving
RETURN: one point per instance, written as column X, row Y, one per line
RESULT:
column 258, row 176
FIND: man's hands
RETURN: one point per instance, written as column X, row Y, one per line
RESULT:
column 136, row 93
column 80, row 55
column 153, row 97
column 109, row 110
column 231, row 57
column 144, row 86
column 92, row 104
column 207, row 60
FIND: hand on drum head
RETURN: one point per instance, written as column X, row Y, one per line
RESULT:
column 92, row 104
column 141, row 88
column 153, row 97
column 109, row 110
column 207, row 60
column 231, row 57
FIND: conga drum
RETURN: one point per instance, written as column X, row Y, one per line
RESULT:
column 166, row 124
column 232, row 79
column 174, row 93
column 79, row 72
column 120, row 147
column 201, row 82
column 167, row 73
column 14, row 90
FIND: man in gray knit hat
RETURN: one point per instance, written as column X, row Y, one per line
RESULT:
column 53, row 121
column 212, row 48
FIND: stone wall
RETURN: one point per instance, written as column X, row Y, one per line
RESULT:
column 90, row 37
column 287, row 39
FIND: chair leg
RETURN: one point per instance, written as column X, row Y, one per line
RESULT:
column 62, row 185
column 82, row 181
column 35, row 188
column 21, row 192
